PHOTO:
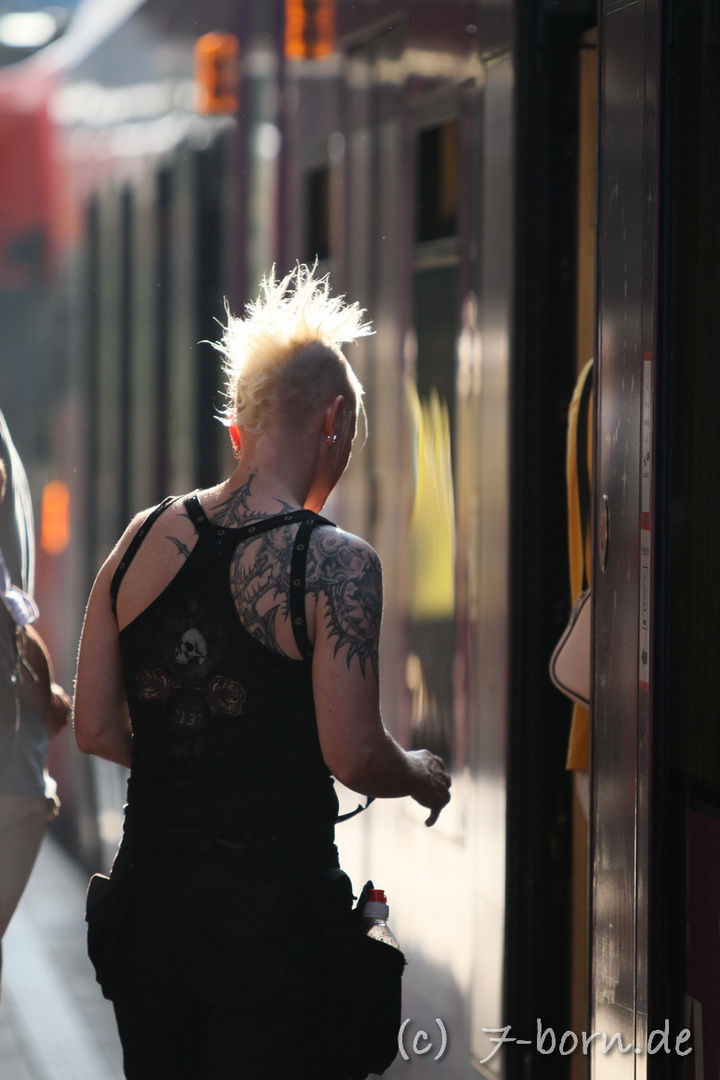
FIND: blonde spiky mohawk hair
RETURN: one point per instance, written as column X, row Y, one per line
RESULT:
column 263, row 351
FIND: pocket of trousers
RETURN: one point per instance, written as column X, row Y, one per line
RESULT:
column 106, row 915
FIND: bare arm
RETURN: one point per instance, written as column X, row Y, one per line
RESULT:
column 358, row 749
column 100, row 715
column 37, row 686
column 100, row 712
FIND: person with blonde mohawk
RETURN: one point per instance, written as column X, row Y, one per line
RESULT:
column 229, row 659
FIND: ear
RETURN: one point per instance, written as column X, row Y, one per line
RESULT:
column 331, row 416
column 235, row 437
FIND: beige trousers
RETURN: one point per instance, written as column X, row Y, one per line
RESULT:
column 23, row 820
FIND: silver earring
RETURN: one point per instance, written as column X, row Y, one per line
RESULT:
column 331, row 440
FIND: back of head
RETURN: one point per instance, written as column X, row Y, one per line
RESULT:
column 284, row 357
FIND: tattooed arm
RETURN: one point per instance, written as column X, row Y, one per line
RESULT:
column 345, row 575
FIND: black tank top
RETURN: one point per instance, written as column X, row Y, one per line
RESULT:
column 225, row 742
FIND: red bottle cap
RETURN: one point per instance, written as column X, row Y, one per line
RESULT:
column 377, row 896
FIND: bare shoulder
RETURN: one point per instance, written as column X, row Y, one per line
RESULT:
column 335, row 553
column 173, row 523
column 345, row 574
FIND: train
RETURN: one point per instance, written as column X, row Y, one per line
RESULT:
column 509, row 188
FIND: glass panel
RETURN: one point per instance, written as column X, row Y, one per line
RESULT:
column 317, row 202
column 431, row 607
column 437, row 182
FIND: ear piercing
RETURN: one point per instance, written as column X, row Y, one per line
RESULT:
column 331, row 440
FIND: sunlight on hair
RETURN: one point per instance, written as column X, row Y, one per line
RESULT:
column 288, row 316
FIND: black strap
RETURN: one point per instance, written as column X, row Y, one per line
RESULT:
column 298, row 567
column 583, row 481
column 134, row 545
column 358, row 810
column 245, row 532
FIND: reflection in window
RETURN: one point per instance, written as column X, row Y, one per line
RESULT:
column 429, row 663
column 318, row 214
column 432, row 528
column 437, row 175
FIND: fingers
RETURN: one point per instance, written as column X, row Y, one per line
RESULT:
column 57, row 714
column 441, row 782
column 435, row 812
column 63, row 698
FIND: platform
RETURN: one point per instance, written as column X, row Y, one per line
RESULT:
column 54, row 1022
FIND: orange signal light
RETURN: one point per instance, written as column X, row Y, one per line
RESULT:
column 55, row 518
column 217, row 76
column 309, row 29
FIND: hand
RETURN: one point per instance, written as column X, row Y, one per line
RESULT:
column 435, row 791
column 57, row 715
column 37, row 688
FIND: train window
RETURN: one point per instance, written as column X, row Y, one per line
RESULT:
column 90, row 292
column 317, row 206
column 435, row 319
column 163, row 276
column 125, row 341
column 113, row 264
column 211, row 170
column 432, row 602
column 437, row 175
column 431, row 630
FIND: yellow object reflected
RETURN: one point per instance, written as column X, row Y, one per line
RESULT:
column 432, row 525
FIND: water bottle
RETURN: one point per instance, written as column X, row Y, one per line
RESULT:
column 375, row 915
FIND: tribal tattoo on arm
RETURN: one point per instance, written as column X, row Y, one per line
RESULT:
column 350, row 578
column 180, row 546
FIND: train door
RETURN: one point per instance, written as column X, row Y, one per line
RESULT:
column 553, row 329
column 656, row 806
column 686, row 944
column 624, row 799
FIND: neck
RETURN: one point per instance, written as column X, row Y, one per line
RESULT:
column 246, row 495
column 283, row 468
column 272, row 476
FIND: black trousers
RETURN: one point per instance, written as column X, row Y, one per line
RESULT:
column 281, row 1036
column 215, row 972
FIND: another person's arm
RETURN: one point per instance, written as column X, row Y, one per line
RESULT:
column 356, row 746
column 37, row 686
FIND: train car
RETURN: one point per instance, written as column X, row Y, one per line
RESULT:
column 509, row 189
column 654, row 826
